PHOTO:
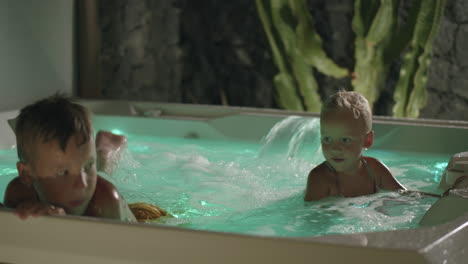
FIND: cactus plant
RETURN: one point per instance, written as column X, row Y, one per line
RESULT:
column 380, row 39
column 283, row 81
column 369, row 49
column 296, row 49
column 410, row 93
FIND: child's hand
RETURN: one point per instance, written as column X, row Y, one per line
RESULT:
column 36, row 209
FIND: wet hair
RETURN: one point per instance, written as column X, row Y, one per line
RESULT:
column 350, row 101
column 52, row 118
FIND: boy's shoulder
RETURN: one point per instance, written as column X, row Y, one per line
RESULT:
column 371, row 159
column 104, row 185
column 105, row 190
column 16, row 191
column 383, row 176
column 15, row 183
column 321, row 173
column 376, row 165
column 106, row 200
column 319, row 183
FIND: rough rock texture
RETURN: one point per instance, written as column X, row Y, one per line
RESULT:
column 333, row 20
column 215, row 52
column 227, row 59
column 140, row 50
column 448, row 74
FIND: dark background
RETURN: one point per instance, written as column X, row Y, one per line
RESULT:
column 216, row 52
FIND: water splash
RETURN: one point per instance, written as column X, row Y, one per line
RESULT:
column 293, row 137
column 125, row 170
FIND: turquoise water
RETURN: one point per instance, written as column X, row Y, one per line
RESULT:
column 257, row 188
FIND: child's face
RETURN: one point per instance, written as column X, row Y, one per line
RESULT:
column 343, row 139
column 65, row 179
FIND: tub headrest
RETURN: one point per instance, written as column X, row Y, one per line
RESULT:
column 456, row 168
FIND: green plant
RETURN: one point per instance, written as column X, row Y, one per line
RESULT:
column 296, row 47
column 380, row 38
column 410, row 92
column 372, row 25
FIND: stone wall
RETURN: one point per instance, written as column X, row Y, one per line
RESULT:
column 215, row 52
column 448, row 74
column 140, row 50
column 227, row 59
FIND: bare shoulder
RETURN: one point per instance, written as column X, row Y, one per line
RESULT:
column 320, row 172
column 383, row 176
column 105, row 201
column 103, row 185
column 18, row 192
column 106, row 191
column 377, row 166
column 318, row 183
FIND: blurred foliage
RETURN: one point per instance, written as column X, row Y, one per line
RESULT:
column 410, row 91
column 296, row 47
column 380, row 39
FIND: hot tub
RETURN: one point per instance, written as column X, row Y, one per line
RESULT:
column 86, row 240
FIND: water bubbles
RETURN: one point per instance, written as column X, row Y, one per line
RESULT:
column 364, row 205
column 245, row 187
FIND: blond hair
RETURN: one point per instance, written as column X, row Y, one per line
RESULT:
column 350, row 101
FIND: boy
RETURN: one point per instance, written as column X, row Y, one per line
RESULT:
column 57, row 164
column 346, row 129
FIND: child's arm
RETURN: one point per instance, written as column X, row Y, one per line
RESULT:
column 23, row 198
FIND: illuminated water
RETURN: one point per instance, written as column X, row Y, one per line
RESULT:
column 257, row 188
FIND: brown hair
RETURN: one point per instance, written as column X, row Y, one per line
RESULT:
column 52, row 118
column 352, row 101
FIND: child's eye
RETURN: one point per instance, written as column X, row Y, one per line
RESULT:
column 346, row 140
column 326, row 140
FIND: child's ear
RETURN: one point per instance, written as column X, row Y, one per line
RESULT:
column 24, row 173
column 12, row 123
column 369, row 139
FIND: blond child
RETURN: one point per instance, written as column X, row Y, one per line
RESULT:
column 57, row 164
column 346, row 130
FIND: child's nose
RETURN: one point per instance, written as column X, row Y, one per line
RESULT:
column 337, row 146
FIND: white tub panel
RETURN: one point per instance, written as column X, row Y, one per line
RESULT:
column 57, row 239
